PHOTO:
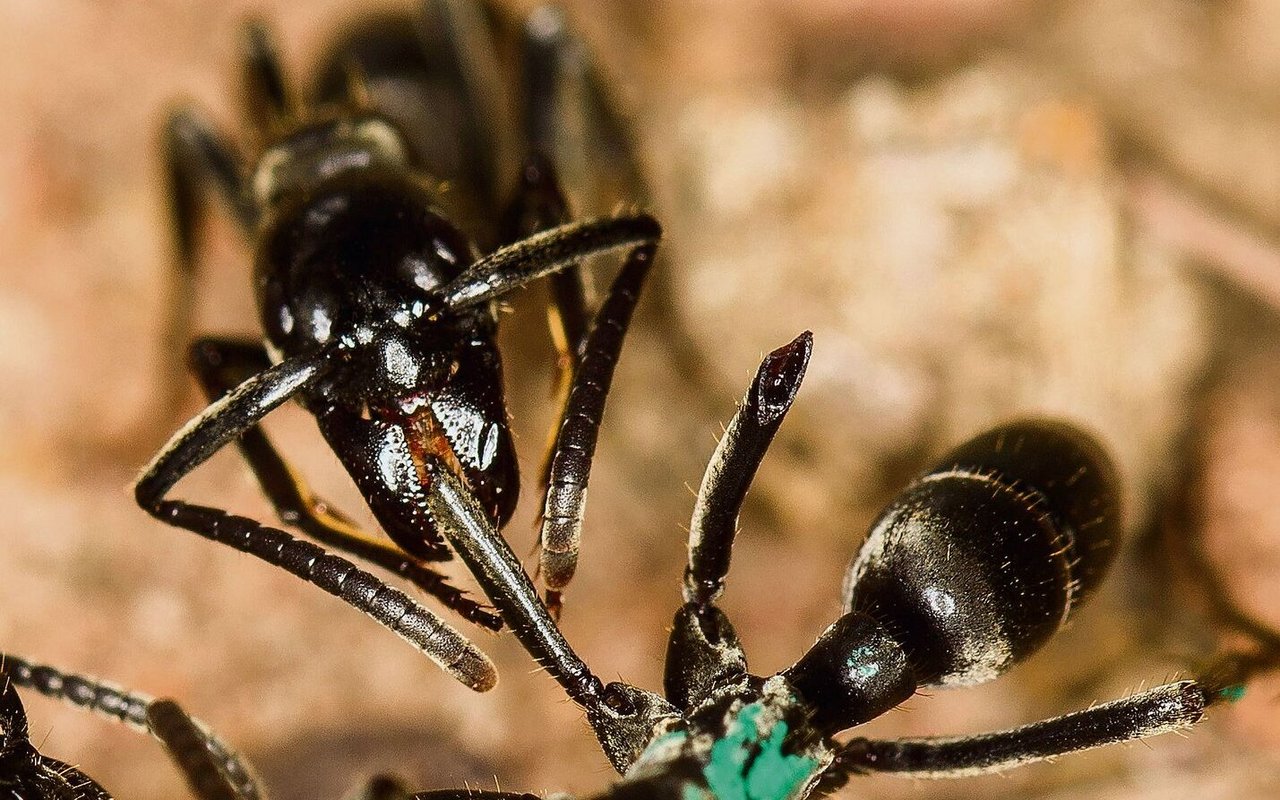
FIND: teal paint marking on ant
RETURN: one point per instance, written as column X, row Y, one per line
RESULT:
column 748, row 763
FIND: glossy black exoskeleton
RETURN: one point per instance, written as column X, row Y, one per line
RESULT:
column 969, row 571
column 376, row 306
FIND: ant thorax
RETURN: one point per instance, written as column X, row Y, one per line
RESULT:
column 356, row 253
column 747, row 741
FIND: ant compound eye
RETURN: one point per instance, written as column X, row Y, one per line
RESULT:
column 983, row 558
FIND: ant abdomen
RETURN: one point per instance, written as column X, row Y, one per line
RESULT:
column 982, row 558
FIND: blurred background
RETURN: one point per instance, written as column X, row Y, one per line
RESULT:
column 982, row 208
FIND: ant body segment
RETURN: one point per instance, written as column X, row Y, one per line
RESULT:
column 376, row 305
column 376, row 309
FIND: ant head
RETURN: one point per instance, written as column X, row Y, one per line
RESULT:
column 984, row 557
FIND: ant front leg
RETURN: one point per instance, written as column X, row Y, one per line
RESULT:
column 226, row 419
column 220, row 364
column 703, row 651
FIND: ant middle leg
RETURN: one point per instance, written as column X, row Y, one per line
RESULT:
column 220, row 365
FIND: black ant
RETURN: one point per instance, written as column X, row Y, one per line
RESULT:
column 377, row 308
column 973, row 567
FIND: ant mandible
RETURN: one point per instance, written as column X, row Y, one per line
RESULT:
column 377, row 312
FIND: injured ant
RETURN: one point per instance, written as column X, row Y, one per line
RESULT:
column 973, row 567
column 377, row 308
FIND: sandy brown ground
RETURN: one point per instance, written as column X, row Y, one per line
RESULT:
column 981, row 209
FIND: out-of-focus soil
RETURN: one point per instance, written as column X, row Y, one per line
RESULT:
column 970, row 206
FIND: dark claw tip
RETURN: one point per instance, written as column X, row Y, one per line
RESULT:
column 778, row 379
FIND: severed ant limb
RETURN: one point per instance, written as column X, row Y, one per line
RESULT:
column 210, row 760
column 220, row 364
column 1172, row 707
column 703, row 651
column 580, row 425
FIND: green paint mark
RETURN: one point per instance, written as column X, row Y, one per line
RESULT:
column 733, row 774
column 1232, row 693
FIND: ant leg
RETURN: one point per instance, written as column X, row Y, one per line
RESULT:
column 197, row 158
column 733, row 465
column 188, row 749
column 127, row 708
column 459, row 32
column 544, row 253
column 1172, row 707
column 580, row 425
column 703, row 651
column 269, row 100
column 229, row 417
column 572, row 119
column 219, row 365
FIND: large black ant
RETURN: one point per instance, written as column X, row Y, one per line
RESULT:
column 377, row 313
column 969, row 570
